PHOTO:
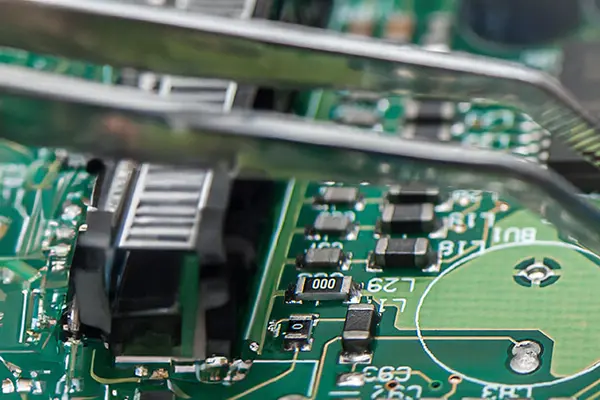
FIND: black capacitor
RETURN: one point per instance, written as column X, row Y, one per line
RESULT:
column 403, row 253
column 337, row 224
column 520, row 22
column 413, row 193
column 430, row 111
column 321, row 258
column 359, row 328
column 408, row 218
column 336, row 195
column 298, row 335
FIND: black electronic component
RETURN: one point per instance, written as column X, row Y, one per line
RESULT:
column 156, row 395
column 324, row 288
column 403, row 253
column 434, row 132
column 321, row 258
column 408, row 218
column 88, row 276
column 315, row 13
column 298, row 335
column 331, row 224
column 413, row 193
column 338, row 196
column 428, row 112
column 520, row 23
column 359, row 328
column 151, row 309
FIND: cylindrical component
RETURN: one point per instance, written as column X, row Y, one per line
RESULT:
column 518, row 22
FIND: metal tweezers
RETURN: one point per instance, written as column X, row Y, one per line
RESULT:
column 42, row 109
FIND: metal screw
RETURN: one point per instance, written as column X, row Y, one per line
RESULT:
column 525, row 357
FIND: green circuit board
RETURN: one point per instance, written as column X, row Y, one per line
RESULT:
column 104, row 74
column 467, row 124
column 448, row 334
column 442, row 334
column 43, row 206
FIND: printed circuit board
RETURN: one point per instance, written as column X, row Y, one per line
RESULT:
column 361, row 292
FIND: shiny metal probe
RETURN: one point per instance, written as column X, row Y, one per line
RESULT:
column 282, row 55
column 43, row 109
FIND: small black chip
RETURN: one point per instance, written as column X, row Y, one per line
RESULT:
column 427, row 132
column 338, row 196
column 428, row 112
column 324, row 258
column 298, row 335
column 324, row 288
column 359, row 328
column 518, row 24
column 413, row 193
column 403, row 253
column 408, row 218
column 337, row 224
